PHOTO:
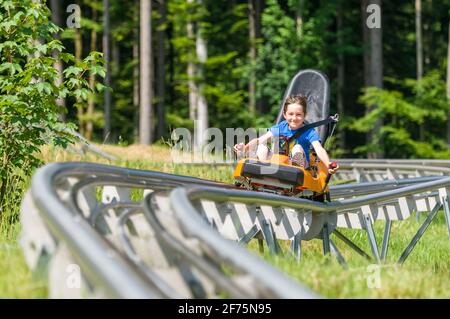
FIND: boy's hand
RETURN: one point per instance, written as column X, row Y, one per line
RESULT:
column 239, row 147
column 333, row 167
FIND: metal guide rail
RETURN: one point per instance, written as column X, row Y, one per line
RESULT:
column 91, row 221
column 167, row 236
column 382, row 169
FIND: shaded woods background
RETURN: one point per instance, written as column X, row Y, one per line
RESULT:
column 227, row 64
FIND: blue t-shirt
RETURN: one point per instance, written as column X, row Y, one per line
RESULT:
column 305, row 139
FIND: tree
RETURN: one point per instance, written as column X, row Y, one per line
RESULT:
column 419, row 50
column 299, row 17
column 340, row 71
column 448, row 87
column 196, row 58
column 279, row 55
column 252, row 56
column 107, row 94
column 288, row 35
column 419, row 53
column 161, row 70
column 56, row 19
column 146, row 87
column 374, row 68
column 191, row 68
column 79, row 56
column 89, row 131
column 202, row 106
column 29, row 90
column 366, row 43
column 136, row 90
column 402, row 114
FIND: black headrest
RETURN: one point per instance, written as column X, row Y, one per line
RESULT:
column 315, row 86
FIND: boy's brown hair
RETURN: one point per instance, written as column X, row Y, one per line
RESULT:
column 296, row 99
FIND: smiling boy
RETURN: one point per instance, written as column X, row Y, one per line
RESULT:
column 294, row 112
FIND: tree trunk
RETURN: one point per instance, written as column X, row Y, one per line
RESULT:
column 191, row 71
column 146, row 88
column 115, row 65
column 376, row 54
column 90, row 108
column 58, row 65
column 171, row 62
column 202, row 107
column 161, row 71
column 340, row 72
column 106, row 53
column 79, row 56
column 299, row 18
column 419, row 50
column 136, row 82
column 428, row 46
column 366, row 44
column 376, row 70
column 258, row 12
column 419, row 55
column 252, row 56
column 366, row 57
column 448, row 87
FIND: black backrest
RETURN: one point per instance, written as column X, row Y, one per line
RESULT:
column 315, row 86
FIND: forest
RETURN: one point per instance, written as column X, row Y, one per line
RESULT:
column 122, row 76
column 125, row 72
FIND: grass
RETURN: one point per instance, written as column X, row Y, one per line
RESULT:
column 155, row 157
column 425, row 274
column 16, row 280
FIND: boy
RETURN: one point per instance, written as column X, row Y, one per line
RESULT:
column 294, row 112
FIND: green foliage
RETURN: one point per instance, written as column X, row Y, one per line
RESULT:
column 16, row 279
column 402, row 117
column 29, row 90
column 223, row 70
column 278, row 55
column 286, row 47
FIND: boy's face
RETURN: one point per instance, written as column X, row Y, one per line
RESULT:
column 294, row 116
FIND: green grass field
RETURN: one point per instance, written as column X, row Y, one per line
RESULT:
column 16, row 280
column 425, row 274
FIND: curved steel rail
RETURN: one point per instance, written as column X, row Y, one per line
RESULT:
column 65, row 196
column 101, row 262
column 387, row 200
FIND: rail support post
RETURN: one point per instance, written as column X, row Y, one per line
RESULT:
column 371, row 236
column 335, row 251
column 447, row 214
column 296, row 246
column 352, row 244
column 386, row 236
column 444, row 195
column 269, row 236
column 249, row 235
column 326, row 239
column 419, row 233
